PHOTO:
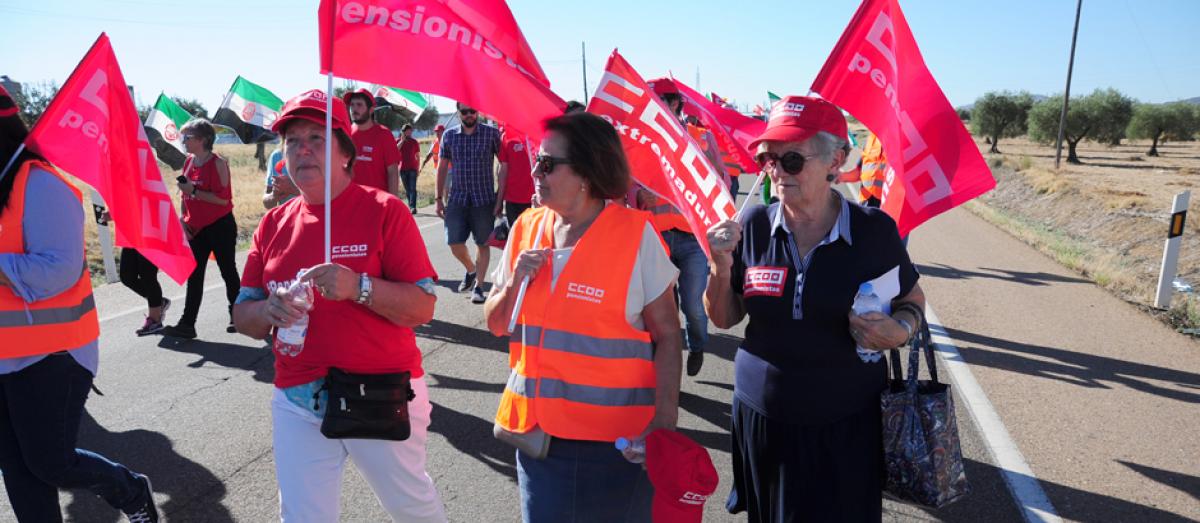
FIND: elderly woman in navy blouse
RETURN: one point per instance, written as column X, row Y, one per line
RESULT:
column 806, row 421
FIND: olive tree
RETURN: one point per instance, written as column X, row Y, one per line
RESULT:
column 1000, row 115
column 1157, row 122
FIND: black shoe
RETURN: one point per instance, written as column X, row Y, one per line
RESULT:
column 230, row 328
column 477, row 295
column 147, row 513
column 180, row 331
column 694, row 362
column 467, row 283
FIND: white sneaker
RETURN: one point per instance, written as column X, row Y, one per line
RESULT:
column 477, row 295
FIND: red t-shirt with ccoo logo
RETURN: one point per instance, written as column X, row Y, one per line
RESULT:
column 374, row 233
column 375, row 150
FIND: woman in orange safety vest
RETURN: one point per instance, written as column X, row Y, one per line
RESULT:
column 48, row 341
column 596, row 352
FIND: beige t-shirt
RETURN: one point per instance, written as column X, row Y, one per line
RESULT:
column 653, row 273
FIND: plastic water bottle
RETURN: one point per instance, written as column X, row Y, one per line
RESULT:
column 633, row 450
column 866, row 301
column 289, row 341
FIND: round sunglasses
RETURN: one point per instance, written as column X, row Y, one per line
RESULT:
column 792, row 162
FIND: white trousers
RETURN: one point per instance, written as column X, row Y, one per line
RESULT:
column 309, row 466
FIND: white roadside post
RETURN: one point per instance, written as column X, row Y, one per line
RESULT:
column 106, row 239
column 1162, row 299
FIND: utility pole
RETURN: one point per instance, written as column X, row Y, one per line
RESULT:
column 1062, row 121
column 698, row 79
column 583, row 54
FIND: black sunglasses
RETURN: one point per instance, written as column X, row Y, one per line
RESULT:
column 545, row 164
column 791, row 161
column 467, row 111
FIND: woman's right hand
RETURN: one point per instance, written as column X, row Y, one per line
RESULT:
column 280, row 311
column 722, row 239
column 529, row 262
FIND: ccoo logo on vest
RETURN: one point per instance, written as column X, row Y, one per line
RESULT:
column 579, row 291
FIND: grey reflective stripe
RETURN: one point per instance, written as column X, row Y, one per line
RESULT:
column 591, row 395
column 875, row 182
column 866, row 166
column 527, row 334
column 47, row 316
column 597, row 347
column 602, row 396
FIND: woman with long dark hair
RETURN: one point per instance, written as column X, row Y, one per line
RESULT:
column 48, row 341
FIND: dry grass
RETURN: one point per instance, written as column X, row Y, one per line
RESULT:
column 248, row 188
column 1105, row 219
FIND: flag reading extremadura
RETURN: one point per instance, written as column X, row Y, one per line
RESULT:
column 663, row 157
column 877, row 74
column 469, row 50
column 249, row 110
column 162, row 127
column 91, row 130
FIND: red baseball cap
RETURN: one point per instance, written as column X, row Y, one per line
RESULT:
column 8, row 106
column 682, row 474
column 798, row 118
column 349, row 95
column 310, row 105
column 662, row 86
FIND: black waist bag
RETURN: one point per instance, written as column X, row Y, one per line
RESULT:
column 367, row 406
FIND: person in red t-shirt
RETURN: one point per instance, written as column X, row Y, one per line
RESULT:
column 410, row 152
column 377, row 161
column 208, row 222
column 515, row 179
column 377, row 288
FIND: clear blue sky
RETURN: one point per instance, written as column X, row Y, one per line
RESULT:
column 1149, row 49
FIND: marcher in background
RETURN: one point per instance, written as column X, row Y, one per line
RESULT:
column 574, row 106
column 596, row 352
column 207, row 221
column 470, row 206
column 515, row 178
column 435, row 150
column 280, row 188
column 140, row 275
column 873, row 173
column 367, row 303
column 806, row 427
column 409, row 167
column 685, row 251
column 48, row 342
column 377, row 161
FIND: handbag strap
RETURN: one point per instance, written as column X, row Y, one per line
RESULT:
column 921, row 342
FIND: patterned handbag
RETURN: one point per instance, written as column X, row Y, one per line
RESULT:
column 922, row 459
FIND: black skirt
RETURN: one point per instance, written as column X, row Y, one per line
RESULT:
column 784, row 472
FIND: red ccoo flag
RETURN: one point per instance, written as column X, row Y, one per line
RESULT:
column 92, row 131
column 877, row 74
column 663, row 157
column 469, row 50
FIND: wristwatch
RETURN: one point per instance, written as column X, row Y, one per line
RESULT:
column 364, row 290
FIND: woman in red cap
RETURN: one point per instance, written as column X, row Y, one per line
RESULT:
column 378, row 287
column 807, row 435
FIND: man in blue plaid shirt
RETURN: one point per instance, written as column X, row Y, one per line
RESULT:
column 467, row 154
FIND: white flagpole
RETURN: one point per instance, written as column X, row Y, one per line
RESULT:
column 537, row 242
column 750, row 195
column 11, row 161
column 329, row 138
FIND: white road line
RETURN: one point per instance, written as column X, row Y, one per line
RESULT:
column 180, row 297
column 1028, row 493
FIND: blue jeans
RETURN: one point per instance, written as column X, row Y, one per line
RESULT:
column 582, row 481
column 408, row 177
column 40, row 408
column 464, row 220
column 687, row 255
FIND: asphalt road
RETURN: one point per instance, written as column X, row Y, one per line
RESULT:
column 1100, row 399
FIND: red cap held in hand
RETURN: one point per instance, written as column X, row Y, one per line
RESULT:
column 798, row 118
column 682, row 474
column 310, row 106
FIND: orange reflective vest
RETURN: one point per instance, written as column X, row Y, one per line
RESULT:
column 64, row 321
column 874, row 170
column 579, row 370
